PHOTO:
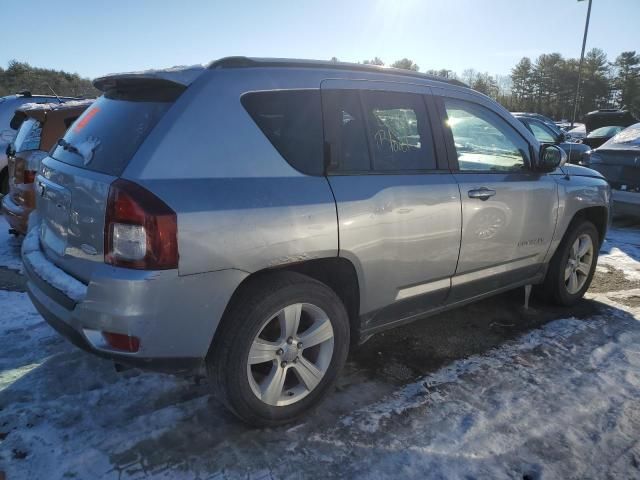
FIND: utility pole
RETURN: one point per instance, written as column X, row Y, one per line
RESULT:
column 584, row 43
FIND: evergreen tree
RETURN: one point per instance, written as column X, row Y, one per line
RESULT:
column 627, row 80
column 405, row 64
column 21, row 76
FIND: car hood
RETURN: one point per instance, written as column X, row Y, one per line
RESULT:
column 579, row 171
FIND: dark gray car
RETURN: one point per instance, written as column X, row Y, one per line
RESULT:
column 548, row 135
column 619, row 161
column 256, row 217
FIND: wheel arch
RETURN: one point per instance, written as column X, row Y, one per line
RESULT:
column 598, row 215
column 338, row 273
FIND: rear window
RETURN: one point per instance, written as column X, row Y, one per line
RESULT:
column 107, row 135
column 292, row 121
column 28, row 137
column 629, row 137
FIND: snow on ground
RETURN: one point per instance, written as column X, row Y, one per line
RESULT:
column 622, row 251
column 9, row 247
column 560, row 401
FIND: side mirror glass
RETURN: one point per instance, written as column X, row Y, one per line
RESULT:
column 551, row 157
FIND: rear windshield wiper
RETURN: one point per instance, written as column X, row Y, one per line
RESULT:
column 68, row 147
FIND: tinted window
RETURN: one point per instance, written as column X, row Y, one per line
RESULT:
column 398, row 131
column 28, row 137
column 292, row 121
column 69, row 121
column 483, row 140
column 345, row 131
column 107, row 135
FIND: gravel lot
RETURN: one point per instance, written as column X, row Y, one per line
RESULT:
column 490, row 390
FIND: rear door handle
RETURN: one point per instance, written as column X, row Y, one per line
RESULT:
column 483, row 193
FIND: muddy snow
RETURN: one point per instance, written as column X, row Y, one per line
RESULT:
column 487, row 391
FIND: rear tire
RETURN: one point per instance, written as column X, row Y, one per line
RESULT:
column 260, row 367
column 572, row 267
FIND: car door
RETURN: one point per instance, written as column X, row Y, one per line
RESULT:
column 509, row 211
column 399, row 214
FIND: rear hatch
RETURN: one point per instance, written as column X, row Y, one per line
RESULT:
column 606, row 118
column 73, row 183
column 619, row 159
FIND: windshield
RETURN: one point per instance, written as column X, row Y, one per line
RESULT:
column 629, row 137
column 107, row 135
column 28, row 137
column 605, row 131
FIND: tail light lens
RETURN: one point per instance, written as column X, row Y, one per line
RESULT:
column 141, row 231
column 25, row 168
column 29, row 176
column 20, row 173
column 119, row 341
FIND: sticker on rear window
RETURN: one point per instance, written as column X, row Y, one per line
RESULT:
column 89, row 114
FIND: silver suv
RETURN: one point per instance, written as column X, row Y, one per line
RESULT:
column 258, row 216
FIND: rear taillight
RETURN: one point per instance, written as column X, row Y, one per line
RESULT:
column 29, row 176
column 20, row 172
column 141, row 231
column 122, row 342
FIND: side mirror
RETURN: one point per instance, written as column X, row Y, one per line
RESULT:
column 562, row 137
column 551, row 157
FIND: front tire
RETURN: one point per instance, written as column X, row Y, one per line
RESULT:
column 572, row 267
column 279, row 348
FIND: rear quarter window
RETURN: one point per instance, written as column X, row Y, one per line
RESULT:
column 292, row 121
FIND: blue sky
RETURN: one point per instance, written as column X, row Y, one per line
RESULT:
column 94, row 38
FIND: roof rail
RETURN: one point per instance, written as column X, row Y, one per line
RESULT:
column 25, row 93
column 252, row 62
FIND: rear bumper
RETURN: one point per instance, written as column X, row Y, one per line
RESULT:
column 174, row 317
column 16, row 215
column 626, row 203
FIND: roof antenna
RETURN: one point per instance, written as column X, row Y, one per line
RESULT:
column 52, row 91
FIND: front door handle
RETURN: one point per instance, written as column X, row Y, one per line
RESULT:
column 482, row 193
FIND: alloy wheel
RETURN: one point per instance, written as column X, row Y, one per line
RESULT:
column 290, row 354
column 578, row 264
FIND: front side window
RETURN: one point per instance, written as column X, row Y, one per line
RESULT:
column 484, row 142
column 541, row 133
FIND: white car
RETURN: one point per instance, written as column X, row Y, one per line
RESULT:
column 577, row 133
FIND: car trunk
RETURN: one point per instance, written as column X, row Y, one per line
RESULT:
column 607, row 118
column 620, row 167
column 74, row 180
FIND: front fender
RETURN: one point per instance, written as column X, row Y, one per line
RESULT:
column 575, row 194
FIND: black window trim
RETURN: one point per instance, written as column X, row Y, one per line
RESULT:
column 450, row 143
column 438, row 152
